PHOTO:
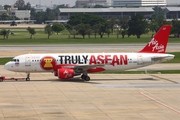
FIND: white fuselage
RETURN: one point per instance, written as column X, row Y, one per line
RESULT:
column 109, row 61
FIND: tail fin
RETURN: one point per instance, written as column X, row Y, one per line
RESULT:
column 159, row 41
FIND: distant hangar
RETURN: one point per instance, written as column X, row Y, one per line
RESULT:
column 170, row 12
column 105, row 12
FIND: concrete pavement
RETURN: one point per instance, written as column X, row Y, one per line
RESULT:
column 106, row 96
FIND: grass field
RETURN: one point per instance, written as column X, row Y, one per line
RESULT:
column 21, row 36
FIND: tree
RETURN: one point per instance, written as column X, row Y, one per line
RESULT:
column 102, row 29
column 48, row 30
column 58, row 27
column 28, row 6
column 99, row 6
column 137, row 25
column 61, row 6
column 5, row 33
column 123, row 33
column 40, row 17
column 157, row 19
column 112, row 22
column 73, row 32
column 68, row 27
column 108, row 28
column 20, row 4
column 31, row 31
column 51, row 14
column 108, row 32
column 118, row 29
column 88, row 30
column 95, row 29
column 4, row 16
column 176, row 28
column 82, row 29
column 6, row 7
column 123, row 22
column 85, row 19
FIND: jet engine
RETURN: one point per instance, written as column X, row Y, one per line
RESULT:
column 65, row 73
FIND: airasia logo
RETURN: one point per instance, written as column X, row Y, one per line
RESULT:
column 66, row 74
column 47, row 63
column 156, row 46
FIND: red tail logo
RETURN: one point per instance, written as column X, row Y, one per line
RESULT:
column 159, row 41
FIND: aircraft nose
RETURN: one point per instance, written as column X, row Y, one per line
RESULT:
column 7, row 66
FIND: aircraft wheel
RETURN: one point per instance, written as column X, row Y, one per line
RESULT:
column 1, row 80
column 83, row 77
column 27, row 79
column 87, row 78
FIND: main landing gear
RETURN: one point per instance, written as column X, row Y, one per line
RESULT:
column 28, row 77
column 85, row 77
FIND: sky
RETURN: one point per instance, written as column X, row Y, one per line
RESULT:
column 49, row 2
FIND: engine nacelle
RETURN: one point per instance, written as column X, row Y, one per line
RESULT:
column 65, row 73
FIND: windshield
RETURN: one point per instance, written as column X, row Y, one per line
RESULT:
column 15, row 60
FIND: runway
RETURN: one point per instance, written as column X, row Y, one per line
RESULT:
column 106, row 96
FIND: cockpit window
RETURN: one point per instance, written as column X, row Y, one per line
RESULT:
column 15, row 60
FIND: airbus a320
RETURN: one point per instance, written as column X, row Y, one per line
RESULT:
column 66, row 66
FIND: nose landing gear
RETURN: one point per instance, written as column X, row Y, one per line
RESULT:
column 28, row 77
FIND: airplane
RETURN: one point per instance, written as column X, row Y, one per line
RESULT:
column 66, row 65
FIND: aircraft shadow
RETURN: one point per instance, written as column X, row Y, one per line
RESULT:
column 79, row 80
column 92, row 81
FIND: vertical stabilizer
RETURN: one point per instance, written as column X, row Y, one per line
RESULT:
column 159, row 41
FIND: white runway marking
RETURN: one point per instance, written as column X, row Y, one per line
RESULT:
column 160, row 103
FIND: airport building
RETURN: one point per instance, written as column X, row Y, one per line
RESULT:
column 89, row 3
column 138, row 3
column 172, row 12
column 21, row 14
column 65, row 13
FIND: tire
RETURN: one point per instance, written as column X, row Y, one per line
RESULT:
column 83, row 77
column 27, row 79
column 1, row 79
column 87, row 78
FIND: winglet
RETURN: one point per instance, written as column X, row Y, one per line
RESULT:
column 159, row 41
